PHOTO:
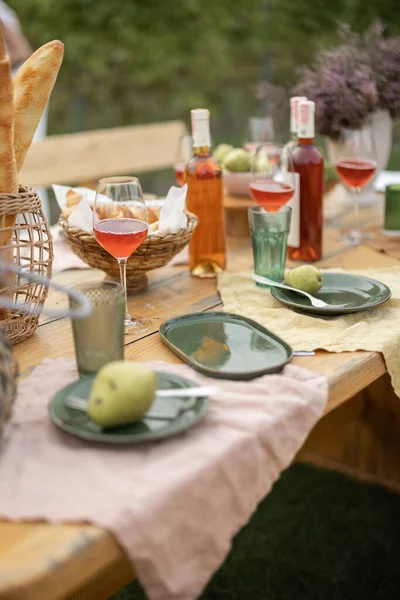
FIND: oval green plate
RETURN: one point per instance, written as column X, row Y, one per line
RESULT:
column 362, row 293
column 225, row 345
column 191, row 411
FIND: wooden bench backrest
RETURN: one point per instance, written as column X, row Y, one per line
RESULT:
column 87, row 156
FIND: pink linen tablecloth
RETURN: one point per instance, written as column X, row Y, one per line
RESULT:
column 174, row 505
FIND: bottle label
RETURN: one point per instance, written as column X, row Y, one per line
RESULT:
column 294, row 112
column 306, row 119
column 201, row 128
column 294, row 203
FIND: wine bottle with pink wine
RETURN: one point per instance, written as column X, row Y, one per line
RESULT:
column 309, row 164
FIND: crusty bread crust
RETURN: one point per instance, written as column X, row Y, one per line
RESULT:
column 8, row 169
column 33, row 85
column 8, row 172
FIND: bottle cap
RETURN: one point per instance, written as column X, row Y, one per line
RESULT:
column 294, row 112
column 201, row 127
column 306, row 127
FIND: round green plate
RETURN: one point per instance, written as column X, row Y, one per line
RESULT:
column 362, row 293
column 186, row 412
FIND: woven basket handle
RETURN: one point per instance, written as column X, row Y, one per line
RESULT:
column 83, row 310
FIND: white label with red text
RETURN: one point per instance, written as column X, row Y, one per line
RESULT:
column 294, row 203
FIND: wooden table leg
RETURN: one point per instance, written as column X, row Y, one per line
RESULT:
column 361, row 438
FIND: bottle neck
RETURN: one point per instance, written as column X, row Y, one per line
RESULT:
column 201, row 128
column 305, row 141
column 204, row 151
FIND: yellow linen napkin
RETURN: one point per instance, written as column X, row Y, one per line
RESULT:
column 377, row 329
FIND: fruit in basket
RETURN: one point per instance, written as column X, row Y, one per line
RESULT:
column 121, row 394
column 238, row 161
column 221, row 152
column 306, row 278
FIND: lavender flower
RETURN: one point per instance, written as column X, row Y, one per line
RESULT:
column 351, row 81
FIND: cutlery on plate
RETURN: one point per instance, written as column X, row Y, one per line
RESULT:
column 314, row 301
column 81, row 403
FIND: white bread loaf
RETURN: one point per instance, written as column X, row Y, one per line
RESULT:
column 33, row 85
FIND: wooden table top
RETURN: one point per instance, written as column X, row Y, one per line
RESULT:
column 46, row 562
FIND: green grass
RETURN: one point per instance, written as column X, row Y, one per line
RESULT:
column 317, row 536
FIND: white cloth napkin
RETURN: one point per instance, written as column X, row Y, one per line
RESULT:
column 172, row 213
column 82, row 216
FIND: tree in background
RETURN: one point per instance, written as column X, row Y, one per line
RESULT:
column 133, row 61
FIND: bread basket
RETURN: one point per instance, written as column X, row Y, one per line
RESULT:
column 155, row 252
column 30, row 249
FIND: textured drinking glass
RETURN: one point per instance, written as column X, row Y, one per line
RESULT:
column 99, row 337
column 269, row 233
column 392, row 210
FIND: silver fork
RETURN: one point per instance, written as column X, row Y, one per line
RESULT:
column 314, row 301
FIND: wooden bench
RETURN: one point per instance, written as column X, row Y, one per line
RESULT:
column 87, row 156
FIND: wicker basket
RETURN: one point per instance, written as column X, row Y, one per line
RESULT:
column 31, row 250
column 156, row 251
column 8, row 387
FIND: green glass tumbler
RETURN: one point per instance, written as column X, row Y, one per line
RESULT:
column 392, row 210
column 269, row 234
column 99, row 337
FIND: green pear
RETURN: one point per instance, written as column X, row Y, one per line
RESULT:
column 238, row 161
column 306, row 278
column 121, row 394
column 221, row 152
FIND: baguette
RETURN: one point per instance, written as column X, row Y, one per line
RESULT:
column 8, row 170
column 33, row 85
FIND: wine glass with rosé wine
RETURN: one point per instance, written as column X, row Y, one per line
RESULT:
column 356, row 162
column 185, row 153
column 120, row 225
column 272, row 182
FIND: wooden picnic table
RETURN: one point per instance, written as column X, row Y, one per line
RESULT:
column 48, row 562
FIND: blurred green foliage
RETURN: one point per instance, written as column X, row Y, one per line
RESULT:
column 131, row 61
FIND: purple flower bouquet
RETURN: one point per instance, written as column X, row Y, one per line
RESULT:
column 351, row 81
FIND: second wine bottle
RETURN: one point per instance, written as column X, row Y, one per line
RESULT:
column 309, row 164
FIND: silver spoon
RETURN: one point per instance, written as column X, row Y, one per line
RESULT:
column 314, row 301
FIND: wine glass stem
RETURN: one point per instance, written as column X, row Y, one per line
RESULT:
column 356, row 210
column 122, row 269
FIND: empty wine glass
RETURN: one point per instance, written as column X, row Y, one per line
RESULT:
column 120, row 225
column 272, row 182
column 355, row 159
column 185, row 153
column 260, row 130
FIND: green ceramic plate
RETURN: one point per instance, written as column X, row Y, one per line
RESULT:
column 362, row 293
column 225, row 345
column 186, row 412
